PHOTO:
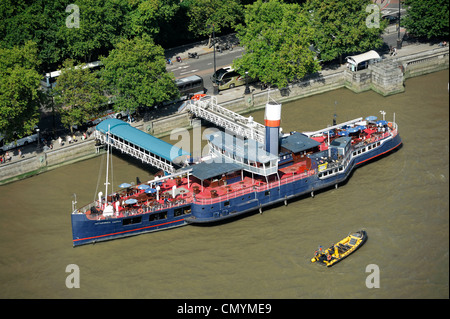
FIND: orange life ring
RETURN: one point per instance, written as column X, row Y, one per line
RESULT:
column 140, row 210
column 329, row 257
column 198, row 96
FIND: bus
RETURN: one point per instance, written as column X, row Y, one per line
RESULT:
column 24, row 141
column 49, row 80
column 189, row 86
column 227, row 78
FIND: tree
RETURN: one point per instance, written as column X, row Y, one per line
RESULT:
column 135, row 72
column 20, row 96
column 428, row 19
column 100, row 25
column 79, row 94
column 145, row 16
column 205, row 13
column 340, row 27
column 276, row 37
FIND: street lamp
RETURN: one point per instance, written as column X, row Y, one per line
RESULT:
column 215, row 86
column 38, row 140
column 399, row 40
column 247, row 89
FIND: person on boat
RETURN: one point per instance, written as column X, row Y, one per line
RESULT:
column 336, row 251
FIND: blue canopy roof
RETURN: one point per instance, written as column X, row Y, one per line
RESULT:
column 139, row 138
column 298, row 142
column 206, row 170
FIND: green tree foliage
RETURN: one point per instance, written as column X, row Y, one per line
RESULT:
column 135, row 72
column 340, row 27
column 19, row 90
column 146, row 16
column 276, row 37
column 79, row 93
column 428, row 19
column 100, row 23
column 221, row 14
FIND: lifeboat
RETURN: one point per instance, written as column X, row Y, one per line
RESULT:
column 340, row 250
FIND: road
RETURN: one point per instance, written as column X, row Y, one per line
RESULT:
column 204, row 65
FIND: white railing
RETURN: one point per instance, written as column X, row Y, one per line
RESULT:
column 208, row 109
column 133, row 151
column 254, row 188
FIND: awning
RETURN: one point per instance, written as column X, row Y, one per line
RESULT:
column 298, row 142
column 206, row 170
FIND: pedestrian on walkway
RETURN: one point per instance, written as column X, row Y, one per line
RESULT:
column 20, row 153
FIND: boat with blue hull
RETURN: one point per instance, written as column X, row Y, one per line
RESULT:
column 238, row 176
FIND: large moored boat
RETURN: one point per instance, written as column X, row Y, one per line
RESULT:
column 238, row 176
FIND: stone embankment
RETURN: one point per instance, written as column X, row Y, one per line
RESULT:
column 385, row 77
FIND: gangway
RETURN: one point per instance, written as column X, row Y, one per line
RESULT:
column 208, row 109
column 140, row 145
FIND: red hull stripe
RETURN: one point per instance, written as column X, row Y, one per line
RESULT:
column 379, row 154
column 126, row 231
column 272, row 123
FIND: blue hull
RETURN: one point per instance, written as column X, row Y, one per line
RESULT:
column 89, row 230
column 85, row 230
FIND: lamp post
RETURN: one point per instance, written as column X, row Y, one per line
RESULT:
column 38, row 140
column 215, row 86
column 399, row 40
column 247, row 89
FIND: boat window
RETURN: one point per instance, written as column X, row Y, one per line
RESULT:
column 158, row 216
column 181, row 211
column 267, row 193
column 227, row 203
column 132, row 220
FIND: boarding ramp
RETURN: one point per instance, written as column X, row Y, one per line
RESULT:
column 143, row 146
column 208, row 109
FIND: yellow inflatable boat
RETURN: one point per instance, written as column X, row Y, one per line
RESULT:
column 340, row 250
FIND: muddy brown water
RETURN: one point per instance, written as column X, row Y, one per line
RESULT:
column 401, row 200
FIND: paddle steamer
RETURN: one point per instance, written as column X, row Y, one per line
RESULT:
column 238, row 176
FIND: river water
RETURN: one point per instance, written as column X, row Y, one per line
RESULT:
column 401, row 200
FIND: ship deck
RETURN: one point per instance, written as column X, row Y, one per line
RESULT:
column 185, row 192
column 190, row 189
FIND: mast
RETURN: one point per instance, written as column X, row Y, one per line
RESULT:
column 107, row 168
